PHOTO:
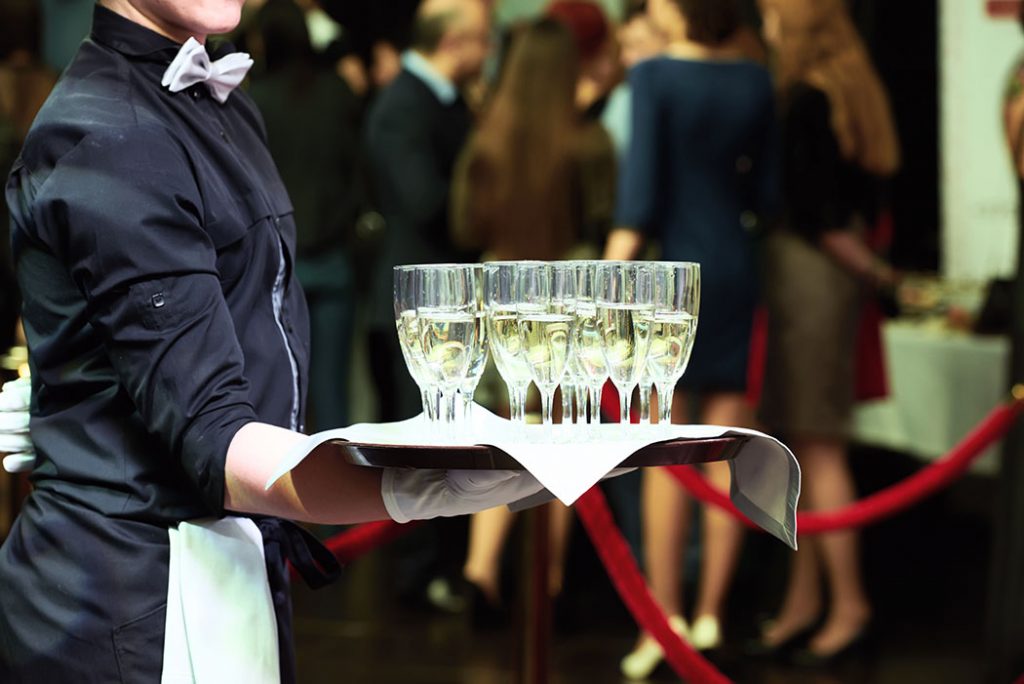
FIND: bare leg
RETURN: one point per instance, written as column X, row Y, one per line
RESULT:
column 665, row 514
column 722, row 535
column 488, row 531
column 665, row 522
column 802, row 603
column 561, row 524
column 827, row 471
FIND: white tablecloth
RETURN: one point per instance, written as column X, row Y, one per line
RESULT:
column 941, row 384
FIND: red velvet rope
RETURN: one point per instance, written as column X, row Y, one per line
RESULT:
column 629, row 583
column 888, row 501
column 356, row 541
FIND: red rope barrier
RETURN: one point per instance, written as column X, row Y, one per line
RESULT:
column 892, row 499
column 629, row 583
column 356, row 541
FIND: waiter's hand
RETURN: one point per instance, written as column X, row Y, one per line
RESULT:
column 15, row 442
column 422, row 494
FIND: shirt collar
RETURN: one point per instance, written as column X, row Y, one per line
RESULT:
column 443, row 89
column 124, row 35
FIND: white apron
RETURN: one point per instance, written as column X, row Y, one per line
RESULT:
column 220, row 623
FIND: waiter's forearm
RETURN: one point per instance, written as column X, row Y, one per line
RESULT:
column 322, row 489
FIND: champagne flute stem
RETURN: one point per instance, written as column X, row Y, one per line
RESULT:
column 425, row 400
column 595, row 403
column 467, row 405
column 581, row 404
column 521, row 404
column 625, row 396
column 665, row 391
column 645, row 404
column 567, row 392
column 450, row 398
column 547, row 399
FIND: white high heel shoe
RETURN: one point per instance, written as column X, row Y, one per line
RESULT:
column 641, row 661
column 706, row 633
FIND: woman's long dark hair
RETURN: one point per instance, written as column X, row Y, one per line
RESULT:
column 522, row 155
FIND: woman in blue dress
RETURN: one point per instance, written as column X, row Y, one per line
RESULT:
column 699, row 173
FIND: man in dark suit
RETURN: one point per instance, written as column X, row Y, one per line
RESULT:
column 414, row 133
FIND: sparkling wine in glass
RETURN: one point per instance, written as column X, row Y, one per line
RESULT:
column 588, row 347
column 479, row 353
column 447, row 327
column 673, row 326
column 623, row 312
column 545, row 331
column 408, row 330
column 501, row 291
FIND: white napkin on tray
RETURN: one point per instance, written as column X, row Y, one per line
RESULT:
column 765, row 475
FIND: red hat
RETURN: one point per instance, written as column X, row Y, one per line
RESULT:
column 585, row 20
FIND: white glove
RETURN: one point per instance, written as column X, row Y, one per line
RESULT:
column 15, row 441
column 422, row 494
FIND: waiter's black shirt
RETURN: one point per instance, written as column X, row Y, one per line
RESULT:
column 153, row 242
column 150, row 228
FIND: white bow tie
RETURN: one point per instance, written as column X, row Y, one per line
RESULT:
column 192, row 65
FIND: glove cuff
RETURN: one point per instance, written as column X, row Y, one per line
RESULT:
column 388, row 496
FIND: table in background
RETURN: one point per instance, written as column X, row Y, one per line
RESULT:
column 941, row 384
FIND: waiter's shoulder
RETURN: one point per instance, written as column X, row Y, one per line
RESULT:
column 95, row 99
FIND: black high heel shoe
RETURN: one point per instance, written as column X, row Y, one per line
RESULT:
column 855, row 650
column 784, row 650
column 484, row 614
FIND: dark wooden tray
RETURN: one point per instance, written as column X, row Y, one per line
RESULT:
column 673, row 452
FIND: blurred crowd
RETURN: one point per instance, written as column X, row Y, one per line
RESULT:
column 415, row 132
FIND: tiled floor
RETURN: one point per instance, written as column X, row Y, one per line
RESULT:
column 926, row 570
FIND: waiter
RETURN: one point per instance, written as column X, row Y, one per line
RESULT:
column 154, row 246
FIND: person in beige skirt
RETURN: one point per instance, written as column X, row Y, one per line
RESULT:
column 840, row 143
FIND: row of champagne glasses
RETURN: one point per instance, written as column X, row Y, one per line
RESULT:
column 574, row 324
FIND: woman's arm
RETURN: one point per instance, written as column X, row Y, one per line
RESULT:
column 624, row 244
column 636, row 198
column 850, row 252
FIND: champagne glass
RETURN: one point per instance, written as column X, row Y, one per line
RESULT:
column 563, row 275
column 623, row 311
column 587, row 337
column 673, row 327
column 445, row 308
column 407, row 326
column 501, row 288
column 545, row 329
column 479, row 353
